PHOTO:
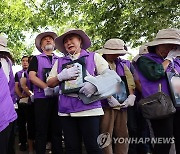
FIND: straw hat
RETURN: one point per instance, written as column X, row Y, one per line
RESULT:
column 113, row 46
column 41, row 36
column 166, row 36
column 3, row 44
column 59, row 41
column 142, row 50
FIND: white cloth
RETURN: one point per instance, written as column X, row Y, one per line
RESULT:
column 106, row 83
column 5, row 67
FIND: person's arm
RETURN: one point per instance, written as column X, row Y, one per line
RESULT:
column 25, row 88
column 52, row 79
column 101, row 63
column 150, row 69
column 33, row 69
column 17, row 89
column 36, row 81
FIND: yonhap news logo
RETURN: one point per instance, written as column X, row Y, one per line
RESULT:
column 104, row 140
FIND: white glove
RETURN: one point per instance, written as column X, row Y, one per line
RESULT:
column 48, row 91
column 173, row 54
column 68, row 73
column 32, row 98
column 56, row 90
column 129, row 101
column 88, row 89
column 113, row 102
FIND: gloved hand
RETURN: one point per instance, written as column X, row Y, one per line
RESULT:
column 56, row 90
column 48, row 91
column 113, row 102
column 32, row 98
column 88, row 89
column 129, row 101
column 68, row 73
column 173, row 54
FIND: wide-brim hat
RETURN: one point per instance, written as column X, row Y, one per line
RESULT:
column 142, row 50
column 3, row 44
column 59, row 41
column 41, row 36
column 113, row 46
column 166, row 36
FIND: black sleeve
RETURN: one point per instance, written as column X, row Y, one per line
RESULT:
column 25, row 75
column 0, row 65
column 33, row 66
column 16, row 78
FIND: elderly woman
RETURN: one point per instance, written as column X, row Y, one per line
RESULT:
column 151, row 67
column 114, row 120
column 7, row 112
column 79, row 121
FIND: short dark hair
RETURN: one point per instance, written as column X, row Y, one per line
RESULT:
column 24, row 57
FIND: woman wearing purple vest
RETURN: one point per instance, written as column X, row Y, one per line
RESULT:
column 45, row 101
column 79, row 121
column 163, row 51
column 114, row 120
column 7, row 111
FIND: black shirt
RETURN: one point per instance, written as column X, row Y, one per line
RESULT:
column 0, row 65
column 16, row 77
column 33, row 66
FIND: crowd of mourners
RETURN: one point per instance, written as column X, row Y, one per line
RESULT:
column 87, row 99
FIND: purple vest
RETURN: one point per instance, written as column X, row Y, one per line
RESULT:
column 72, row 104
column 19, row 74
column 7, row 111
column 28, row 82
column 120, row 71
column 151, row 87
column 43, row 63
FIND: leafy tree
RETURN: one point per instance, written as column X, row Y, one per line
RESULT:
column 134, row 21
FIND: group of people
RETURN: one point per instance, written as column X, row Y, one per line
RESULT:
column 51, row 113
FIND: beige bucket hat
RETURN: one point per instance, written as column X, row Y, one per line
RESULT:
column 142, row 50
column 41, row 36
column 166, row 36
column 59, row 41
column 3, row 44
column 113, row 46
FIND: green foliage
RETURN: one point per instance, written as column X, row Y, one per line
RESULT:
column 134, row 21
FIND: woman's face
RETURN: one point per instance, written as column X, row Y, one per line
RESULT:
column 163, row 49
column 72, row 43
column 111, row 57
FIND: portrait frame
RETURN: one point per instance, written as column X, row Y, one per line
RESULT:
column 74, row 85
column 173, row 78
column 123, row 95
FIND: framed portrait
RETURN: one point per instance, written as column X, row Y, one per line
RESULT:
column 73, row 85
column 45, row 73
column 174, row 84
column 122, row 90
